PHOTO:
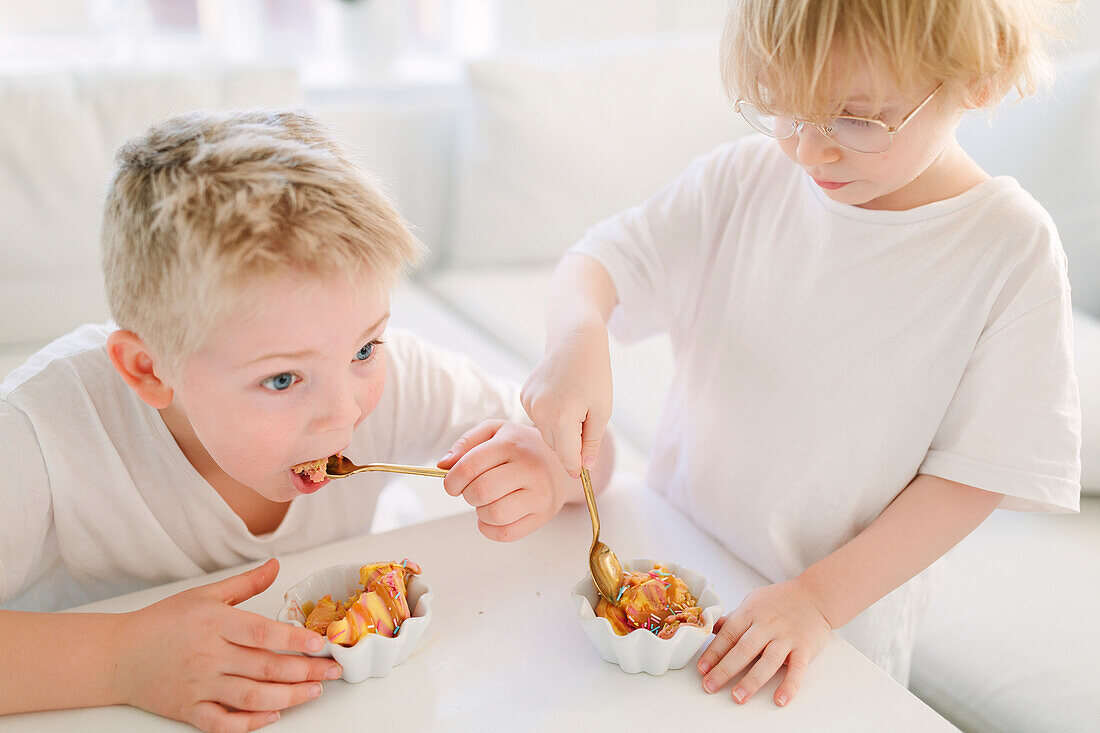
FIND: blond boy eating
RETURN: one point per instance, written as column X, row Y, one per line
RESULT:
column 248, row 266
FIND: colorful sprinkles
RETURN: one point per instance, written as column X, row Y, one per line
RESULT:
column 657, row 602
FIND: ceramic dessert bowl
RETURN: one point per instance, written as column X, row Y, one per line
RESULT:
column 372, row 655
column 641, row 650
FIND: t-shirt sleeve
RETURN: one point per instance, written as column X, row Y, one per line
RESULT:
column 27, row 518
column 655, row 253
column 433, row 396
column 1014, row 424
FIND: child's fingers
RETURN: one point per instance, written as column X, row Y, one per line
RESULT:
column 510, row 508
column 771, row 659
column 591, row 436
column 567, row 441
column 267, row 666
column 735, row 660
column 476, row 461
column 547, row 436
column 470, row 439
column 727, row 631
column 245, row 694
column 212, row 716
column 559, row 424
column 541, row 408
column 248, row 629
column 532, row 405
column 797, row 662
column 240, row 588
column 495, row 483
column 511, row 532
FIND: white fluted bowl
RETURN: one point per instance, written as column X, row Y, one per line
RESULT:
column 373, row 655
column 641, row 650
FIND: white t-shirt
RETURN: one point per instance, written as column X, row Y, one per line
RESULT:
column 99, row 500
column 826, row 354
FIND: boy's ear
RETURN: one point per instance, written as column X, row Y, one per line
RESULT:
column 134, row 361
column 978, row 95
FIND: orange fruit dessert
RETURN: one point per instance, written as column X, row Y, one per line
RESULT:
column 656, row 601
column 380, row 607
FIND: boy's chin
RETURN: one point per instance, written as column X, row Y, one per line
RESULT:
column 847, row 196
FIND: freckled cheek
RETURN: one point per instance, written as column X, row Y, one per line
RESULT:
column 789, row 147
column 371, row 394
column 246, row 445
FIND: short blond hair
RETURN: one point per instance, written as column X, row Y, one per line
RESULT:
column 204, row 201
column 782, row 54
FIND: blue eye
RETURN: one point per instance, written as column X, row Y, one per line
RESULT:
column 279, row 382
column 365, row 353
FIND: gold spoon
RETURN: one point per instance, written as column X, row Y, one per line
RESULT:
column 607, row 574
column 341, row 467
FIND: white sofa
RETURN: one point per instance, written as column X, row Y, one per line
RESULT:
column 501, row 174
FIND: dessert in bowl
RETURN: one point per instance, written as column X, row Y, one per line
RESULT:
column 372, row 615
column 664, row 614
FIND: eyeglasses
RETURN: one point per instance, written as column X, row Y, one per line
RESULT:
column 858, row 134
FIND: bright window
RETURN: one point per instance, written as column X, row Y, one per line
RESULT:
column 330, row 42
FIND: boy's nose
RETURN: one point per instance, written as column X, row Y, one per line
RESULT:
column 341, row 410
column 814, row 148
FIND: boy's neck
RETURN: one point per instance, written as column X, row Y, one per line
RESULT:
column 260, row 515
column 952, row 174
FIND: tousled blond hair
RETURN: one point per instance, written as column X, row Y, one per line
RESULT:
column 784, row 55
column 204, row 201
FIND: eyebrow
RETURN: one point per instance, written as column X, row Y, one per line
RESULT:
column 310, row 352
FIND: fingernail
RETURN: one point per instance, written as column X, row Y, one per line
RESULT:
column 273, row 717
column 333, row 672
column 590, row 461
column 315, row 690
column 704, row 667
column 739, row 694
column 315, row 644
column 709, row 685
column 782, row 699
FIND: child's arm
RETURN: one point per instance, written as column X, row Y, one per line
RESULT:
column 512, row 478
column 192, row 657
column 790, row 622
column 568, row 395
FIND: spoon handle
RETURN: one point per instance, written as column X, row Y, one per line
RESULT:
column 586, row 482
column 397, row 468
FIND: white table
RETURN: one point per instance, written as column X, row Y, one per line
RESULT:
column 505, row 651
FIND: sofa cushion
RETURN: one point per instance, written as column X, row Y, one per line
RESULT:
column 557, row 140
column 510, row 304
column 1010, row 640
column 1049, row 143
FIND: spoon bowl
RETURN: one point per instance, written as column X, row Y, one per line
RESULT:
column 606, row 572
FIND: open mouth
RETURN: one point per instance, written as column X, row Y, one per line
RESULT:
column 310, row 476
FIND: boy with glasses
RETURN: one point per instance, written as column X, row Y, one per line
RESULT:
column 872, row 336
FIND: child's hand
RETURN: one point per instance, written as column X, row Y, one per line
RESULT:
column 195, row 658
column 568, row 397
column 781, row 624
column 509, row 475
